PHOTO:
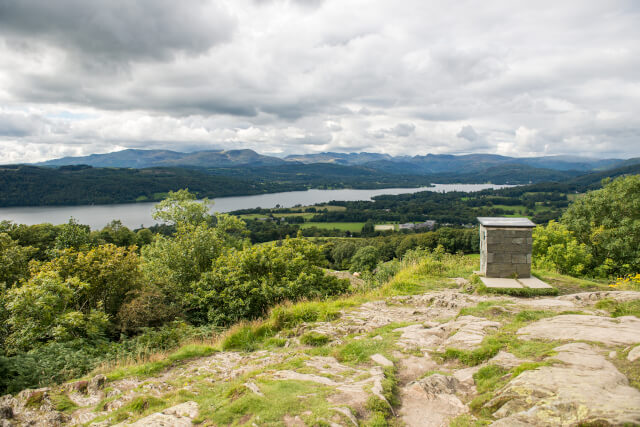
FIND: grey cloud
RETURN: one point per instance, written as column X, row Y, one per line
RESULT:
column 118, row 29
column 469, row 133
column 553, row 79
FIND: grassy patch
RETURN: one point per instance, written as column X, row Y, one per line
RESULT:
column 630, row 369
column 620, row 308
column 380, row 411
column 247, row 336
column 35, row 399
column 188, row 351
column 486, row 309
column 227, row 404
column 518, row 292
column 505, row 339
column 314, row 339
column 62, row 403
column 570, row 285
column 356, row 351
column 342, row 226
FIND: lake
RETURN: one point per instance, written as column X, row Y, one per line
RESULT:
column 134, row 215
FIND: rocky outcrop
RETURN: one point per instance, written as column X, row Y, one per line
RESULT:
column 584, row 389
column 619, row 331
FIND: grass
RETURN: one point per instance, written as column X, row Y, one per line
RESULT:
column 620, row 308
column 163, row 361
column 505, row 339
column 314, row 339
column 62, row 403
column 517, row 292
column 342, row 226
column 569, row 285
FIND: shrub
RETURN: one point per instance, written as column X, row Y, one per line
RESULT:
column 245, row 283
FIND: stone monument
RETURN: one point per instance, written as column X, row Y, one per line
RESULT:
column 505, row 247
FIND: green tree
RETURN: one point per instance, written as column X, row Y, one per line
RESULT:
column 365, row 259
column 244, row 284
column 108, row 272
column 181, row 207
column 72, row 235
column 50, row 308
column 555, row 247
column 14, row 260
column 607, row 221
column 172, row 263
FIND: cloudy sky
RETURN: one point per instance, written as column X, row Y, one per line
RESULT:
column 285, row 76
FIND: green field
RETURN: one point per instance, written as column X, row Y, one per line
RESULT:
column 344, row 226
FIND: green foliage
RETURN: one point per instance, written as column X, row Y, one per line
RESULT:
column 181, row 207
column 72, row 235
column 607, row 221
column 365, row 259
column 174, row 263
column 244, row 284
column 14, row 260
column 47, row 308
column 555, row 247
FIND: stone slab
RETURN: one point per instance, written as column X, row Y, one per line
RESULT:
column 506, row 222
column 498, row 282
column 534, row 283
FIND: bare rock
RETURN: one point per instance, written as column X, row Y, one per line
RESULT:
column 381, row 360
column 585, row 389
column 620, row 331
column 178, row 416
column 506, row 360
column 548, row 304
column 634, row 354
column 465, row 332
column 431, row 402
column 589, row 298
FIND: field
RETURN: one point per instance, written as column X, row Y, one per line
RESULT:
column 344, row 226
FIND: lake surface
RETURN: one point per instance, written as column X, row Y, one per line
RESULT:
column 134, row 215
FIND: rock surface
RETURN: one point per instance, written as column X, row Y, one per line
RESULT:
column 619, row 331
column 585, row 388
column 581, row 385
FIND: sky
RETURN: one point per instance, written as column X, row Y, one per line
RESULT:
column 516, row 78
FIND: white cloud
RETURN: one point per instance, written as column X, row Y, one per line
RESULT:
column 284, row 76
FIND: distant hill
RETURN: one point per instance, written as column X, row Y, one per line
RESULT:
column 155, row 158
column 415, row 165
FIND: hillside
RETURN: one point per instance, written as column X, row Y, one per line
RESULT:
column 425, row 343
column 418, row 164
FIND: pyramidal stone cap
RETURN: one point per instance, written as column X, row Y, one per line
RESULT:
column 505, row 222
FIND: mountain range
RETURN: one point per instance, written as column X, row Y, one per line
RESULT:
column 417, row 165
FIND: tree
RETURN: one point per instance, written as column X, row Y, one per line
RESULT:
column 109, row 273
column 72, row 235
column 607, row 221
column 172, row 263
column 365, row 259
column 48, row 308
column 244, row 284
column 555, row 247
column 14, row 260
column 181, row 207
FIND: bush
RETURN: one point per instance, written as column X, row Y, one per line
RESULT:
column 556, row 248
column 245, row 283
column 365, row 259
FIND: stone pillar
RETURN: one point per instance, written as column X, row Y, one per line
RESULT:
column 505, row 247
